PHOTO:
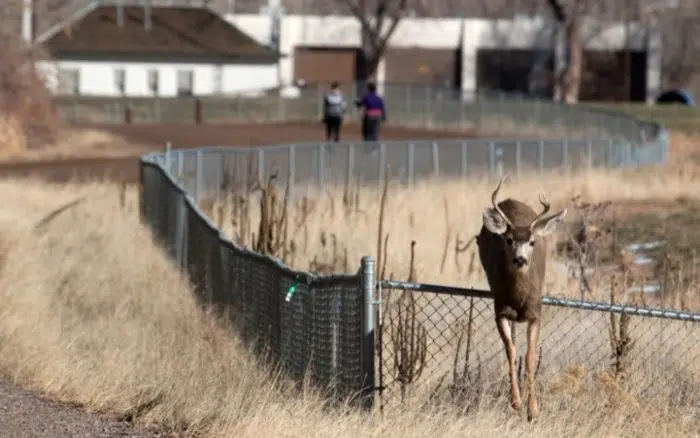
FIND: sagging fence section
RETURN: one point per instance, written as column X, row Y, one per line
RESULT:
column 311, row 326
column 383, row 340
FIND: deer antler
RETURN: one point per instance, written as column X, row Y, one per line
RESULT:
column 545, row 208
column 495, row 204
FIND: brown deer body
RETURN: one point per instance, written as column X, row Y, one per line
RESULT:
column 512, row 251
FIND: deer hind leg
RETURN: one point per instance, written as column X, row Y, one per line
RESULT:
column 504, row 330
column 533, row 333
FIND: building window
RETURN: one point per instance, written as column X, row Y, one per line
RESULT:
column 68, row 81
column 185, row 80
column 120, row 80
column 153, row 81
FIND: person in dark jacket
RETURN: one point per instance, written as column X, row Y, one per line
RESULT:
column 374, row 113
column 333, row 112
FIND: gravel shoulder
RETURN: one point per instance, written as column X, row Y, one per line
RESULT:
column 26, row 414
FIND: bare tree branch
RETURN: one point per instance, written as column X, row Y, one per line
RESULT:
column 378, row 22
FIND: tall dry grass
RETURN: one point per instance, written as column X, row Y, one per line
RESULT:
column 336, row 228
column 92, row 312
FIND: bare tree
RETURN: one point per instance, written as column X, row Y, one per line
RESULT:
column 569, row 16
column 378, row 21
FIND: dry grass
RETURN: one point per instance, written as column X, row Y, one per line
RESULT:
column 91, row 312
column 70, row 143
column 440, row 217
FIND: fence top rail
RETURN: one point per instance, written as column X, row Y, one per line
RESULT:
column 300, row 276
column 156, row 155
column 550, row 301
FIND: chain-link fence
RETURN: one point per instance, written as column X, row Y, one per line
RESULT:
column 311, row 326
column 485, row 114
column 437, row 341
column 440, row 344
column 208, row 172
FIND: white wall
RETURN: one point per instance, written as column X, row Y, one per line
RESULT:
column 98, row 78
column 522, row 32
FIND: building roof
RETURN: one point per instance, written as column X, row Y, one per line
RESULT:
column 174, row 31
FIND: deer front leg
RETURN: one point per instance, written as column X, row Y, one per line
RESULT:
column 533, row 333
column 504, row 330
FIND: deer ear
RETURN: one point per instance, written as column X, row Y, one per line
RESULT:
column 494, row 222
column 546, row 226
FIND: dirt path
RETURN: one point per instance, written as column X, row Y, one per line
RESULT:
column 25, row 414
column 190, row 136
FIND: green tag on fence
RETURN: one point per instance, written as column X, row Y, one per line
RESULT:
column 291, row 291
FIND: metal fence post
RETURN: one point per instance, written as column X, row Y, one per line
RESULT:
column 464, row 159
column 291, row 171
column 261, row 164
column 436, row 159
column 198, row 176
column 168, row 159
column 181, row 231
column 411, row 163
column 351, row 164
column 368, row 284
column 382, row 162
column 321, row 174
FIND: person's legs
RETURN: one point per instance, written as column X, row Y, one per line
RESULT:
column 365, row 123
column 372, row 129
column 329, row 128
column 338, row 127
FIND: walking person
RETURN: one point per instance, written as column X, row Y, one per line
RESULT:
column 374, row 113
column 333, row 112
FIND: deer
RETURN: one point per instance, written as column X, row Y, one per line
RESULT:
column 512, row 252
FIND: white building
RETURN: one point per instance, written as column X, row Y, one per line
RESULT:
column 459, row 53
column 165, row 51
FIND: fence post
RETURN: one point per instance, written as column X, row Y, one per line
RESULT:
column 291, row 171
column 198, row 176
column 261, row 165
column 367, row 354
column 382, row 162
column 142, row 192
column 321, row 175
column 464, row 159
column 411, row 163
column 181, row 232
column 168, row 160
column 436, row 159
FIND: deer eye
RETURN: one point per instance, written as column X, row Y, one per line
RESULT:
column 532, row 243
column 509, row 240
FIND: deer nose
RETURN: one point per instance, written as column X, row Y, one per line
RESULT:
column 520, row 261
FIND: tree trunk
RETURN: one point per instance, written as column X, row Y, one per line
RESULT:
column 574, row 69
column 371, row 65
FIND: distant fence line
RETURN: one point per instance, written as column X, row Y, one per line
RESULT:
column 488, row 114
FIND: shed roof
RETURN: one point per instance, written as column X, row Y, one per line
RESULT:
column 173, row 31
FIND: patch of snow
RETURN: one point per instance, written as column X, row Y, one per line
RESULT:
column 635, row 247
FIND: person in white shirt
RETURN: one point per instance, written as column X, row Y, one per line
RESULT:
column 333, row 112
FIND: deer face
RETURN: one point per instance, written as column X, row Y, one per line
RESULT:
column 520, row 241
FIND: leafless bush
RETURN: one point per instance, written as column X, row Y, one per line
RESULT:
column 26, row 105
